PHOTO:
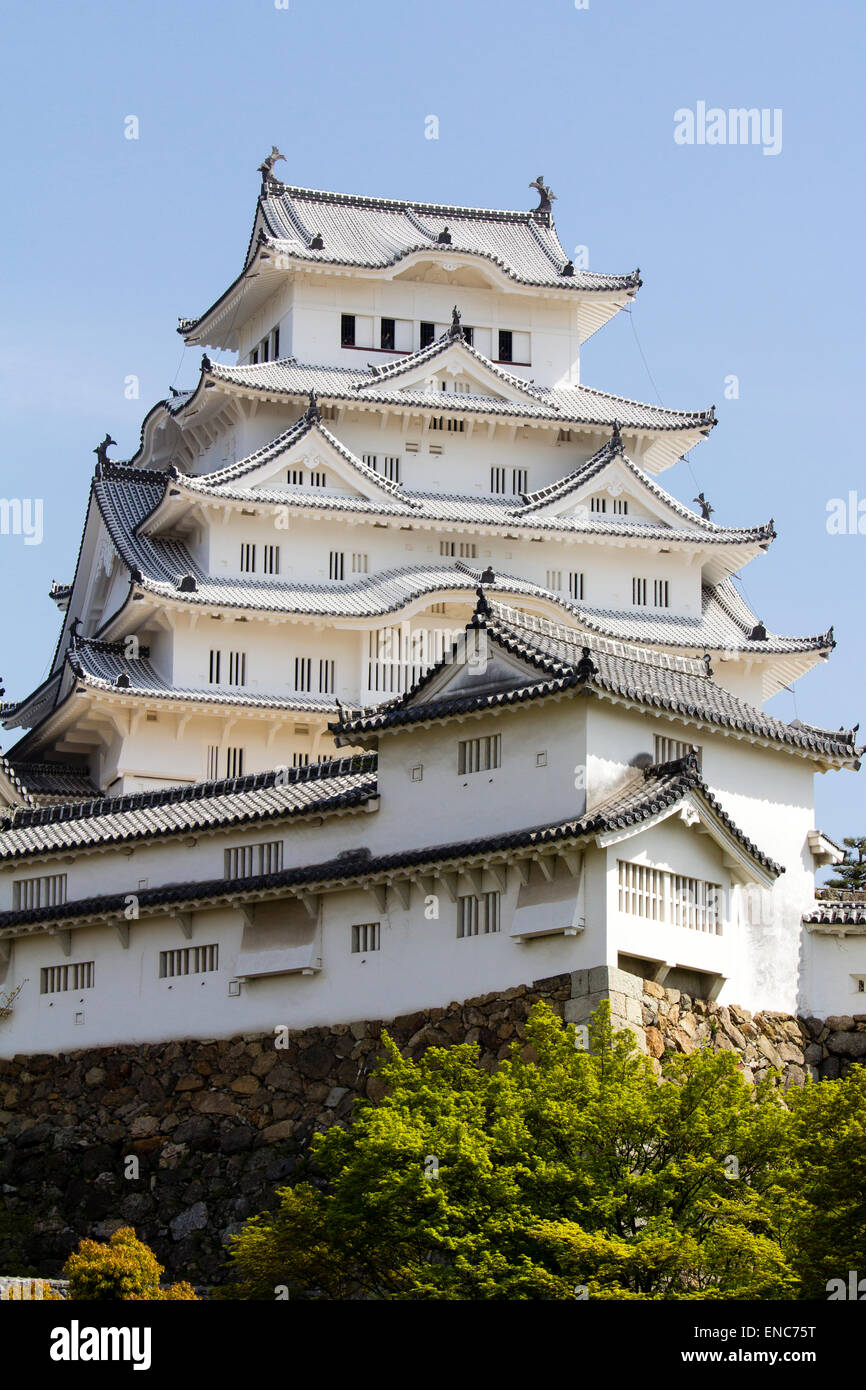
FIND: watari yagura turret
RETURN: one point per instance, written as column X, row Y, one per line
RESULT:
column 304, row 530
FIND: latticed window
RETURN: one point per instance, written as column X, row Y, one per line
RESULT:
column 248, row 558
column 638, row 592
column 661, row 896
column 575, row 584
column 477, row 916
column 188, row 960
column 668, row 750
column 248, row 861
column 336, row 565
column 661, row 590
column 270, row 559
column 365, row 937
column 45, row 891
column 59, row 979
column 478, row 754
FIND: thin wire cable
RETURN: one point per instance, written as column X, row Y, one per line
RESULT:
column 686, row 459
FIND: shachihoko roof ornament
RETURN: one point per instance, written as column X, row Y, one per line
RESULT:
column 545, row 197
column 706, row 509
column 266, row 168
column 101, row 450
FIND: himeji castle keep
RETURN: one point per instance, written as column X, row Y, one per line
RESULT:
column 390, row 673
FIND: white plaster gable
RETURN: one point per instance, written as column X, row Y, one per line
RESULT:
column 619, row 480
column 315, row 452
column 476, row 668
column 456, row 363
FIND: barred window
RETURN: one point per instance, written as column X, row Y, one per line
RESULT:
column 620, row 505
column 303, row 673
column 326, row 677
column 248, row 861
column 668, row 750
column 359, row 563
column 336, row 565
column 661, row 896
column 237, row 668
column 234, row 762
column 60, row 979
column 598, row 504
column 575, row 584
column 318, row 479
column 478, row 754
column 638, row 592
column 661, row 597
column 248, row 558
column 554, row 579
column 271, row 559
column 188, row 960
column 47, row 890
column 365, row 937
column 477, row 916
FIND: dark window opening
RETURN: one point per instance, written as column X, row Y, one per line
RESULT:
column 386, row 340
column 428, row 334
column 505, row 346
column 347, row 330
column 467, row 334
column 276, row 351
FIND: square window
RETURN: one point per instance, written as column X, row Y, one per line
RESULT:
column 541, row 760
column 418, row 773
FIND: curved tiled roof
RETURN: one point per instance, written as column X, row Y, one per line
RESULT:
column 563, row 405
column 836, row 913
column 375, row 233
column 558, row 655
column 651, row 793
column 47, row 784
column 260, row 797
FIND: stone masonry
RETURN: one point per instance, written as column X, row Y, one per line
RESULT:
column 216, row 1126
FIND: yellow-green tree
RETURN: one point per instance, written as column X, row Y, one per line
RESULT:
column 124, row 1269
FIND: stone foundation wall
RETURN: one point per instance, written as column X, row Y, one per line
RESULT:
column 215, row 1126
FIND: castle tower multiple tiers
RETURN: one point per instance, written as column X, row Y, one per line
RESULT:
column 309, row 526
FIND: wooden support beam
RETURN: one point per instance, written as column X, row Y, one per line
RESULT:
column 65, row 939
column 379, row 893
column 547, row 865
column 524, row 870
column 403, row 888
column 476, row 878
column 450, row 882
column 499, row 874
column 573, row 860
column 122, row 929
column 311, row 903
column 184, row 921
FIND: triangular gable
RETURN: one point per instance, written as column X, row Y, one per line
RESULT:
column 310, row 446
column 450, row 359
column 616, row 477
column 477, row 665
column 696, row 815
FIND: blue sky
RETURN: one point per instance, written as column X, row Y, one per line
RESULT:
column 752, row 263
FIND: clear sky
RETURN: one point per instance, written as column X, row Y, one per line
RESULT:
column 752, row 263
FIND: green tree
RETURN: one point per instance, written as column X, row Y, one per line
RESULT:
column 851, row 873
column 820, row 1200
column 124, row 1269
column 562, row 1173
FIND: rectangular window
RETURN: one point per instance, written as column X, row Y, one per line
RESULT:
column 638, row 592
column 477, row 916
column 234, row 762
column 386, row 335
column 519, row 478
column 497, row 480
column 249, row 861
column 660, row 896
column 365, row 937
column 248, row 559
column 661, row 593
column 188, row 960
column 370, row 460
column 391, row 468
column 60, row 979
column 318, row 480
column 620, row 506
column 300, row 760
column 303, row 673
column 45, row 891
column 295, row 477
column 478, row 754
column 456, row 426
column 275, row 344
column 506, row 346
column 254, row 357
column 468, row 550
column 598, row 504
column 468, row 334
column 326, row 676
column 213, row 761
column 214, row 667
column 237, row 668
column 554, row 579
column 270, row 559
column 263, row 350
column 669, row 750
column 359, row 563
column 347, row 330
column 447, row 548
column 336, row 565
column 575, row 584
column 428, row 334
